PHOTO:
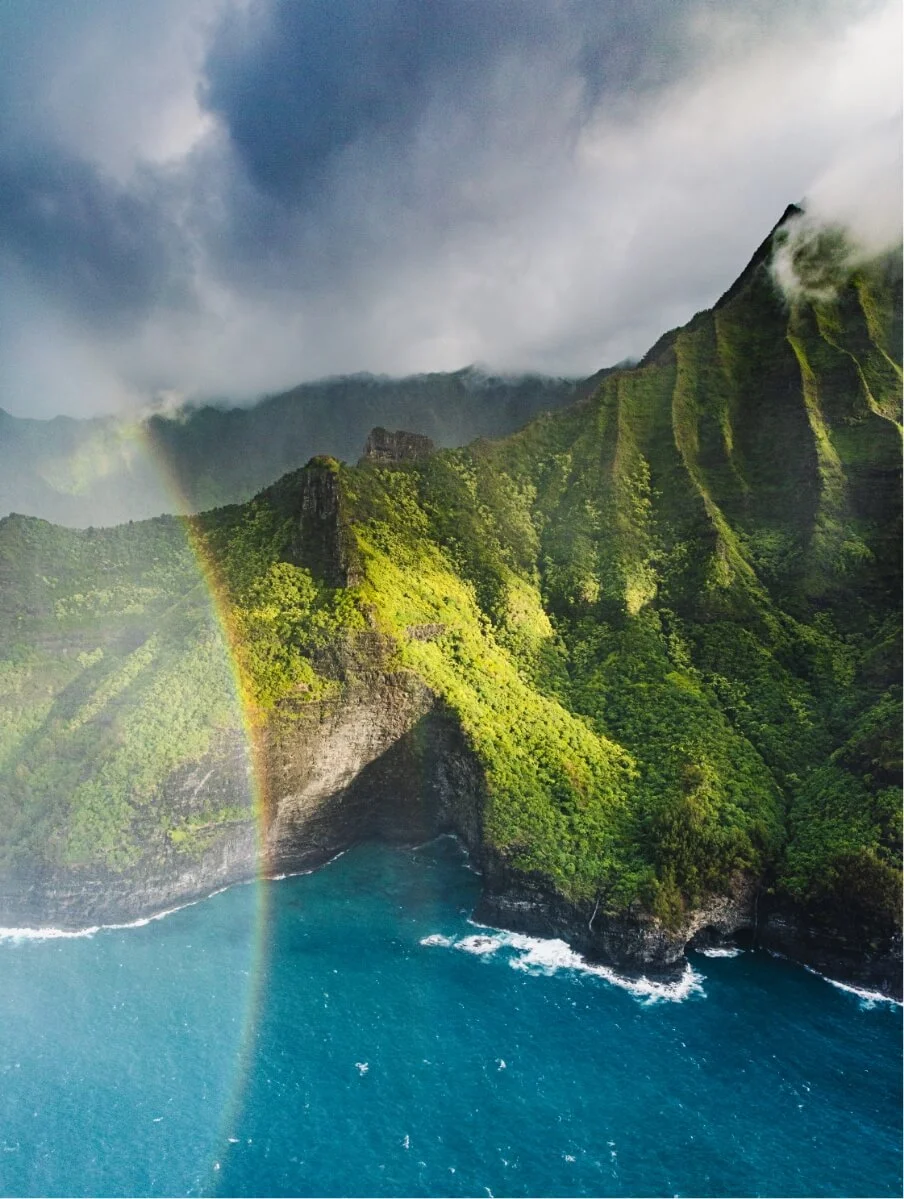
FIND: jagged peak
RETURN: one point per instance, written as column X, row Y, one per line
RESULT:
column 761, row 255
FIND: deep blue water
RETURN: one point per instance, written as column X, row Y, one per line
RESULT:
column 138, row 1062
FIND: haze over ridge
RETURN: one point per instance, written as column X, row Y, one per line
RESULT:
column 227, row 198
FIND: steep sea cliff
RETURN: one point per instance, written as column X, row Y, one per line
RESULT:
column 640, row 657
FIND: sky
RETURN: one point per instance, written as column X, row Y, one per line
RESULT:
column 223, row 198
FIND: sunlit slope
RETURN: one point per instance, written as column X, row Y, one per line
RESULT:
column 113, row 672
column 665, row 619
column 701, row 567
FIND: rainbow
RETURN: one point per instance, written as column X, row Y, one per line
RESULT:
column 211, row 578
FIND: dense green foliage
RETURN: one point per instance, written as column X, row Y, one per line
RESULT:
column 113, row 673
column 697, row 566
column 665, row 618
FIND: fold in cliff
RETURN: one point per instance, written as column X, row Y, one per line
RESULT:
column 641, row 655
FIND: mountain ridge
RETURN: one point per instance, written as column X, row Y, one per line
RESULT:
column 640, row 655
column 103, row 471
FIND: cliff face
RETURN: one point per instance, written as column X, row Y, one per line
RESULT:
column 640, row 656
column 323, row 539
column 387, row 447
column 386, row 762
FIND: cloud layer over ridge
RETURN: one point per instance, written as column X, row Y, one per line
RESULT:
column 221, row 199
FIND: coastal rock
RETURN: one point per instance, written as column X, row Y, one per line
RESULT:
column 836, row 948
column 631, row 941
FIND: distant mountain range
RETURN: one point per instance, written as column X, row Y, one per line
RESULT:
column 642, row 656
column 106, row 470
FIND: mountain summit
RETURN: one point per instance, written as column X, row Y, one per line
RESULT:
column 641, row 656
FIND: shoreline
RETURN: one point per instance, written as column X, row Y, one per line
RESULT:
column 675, row 983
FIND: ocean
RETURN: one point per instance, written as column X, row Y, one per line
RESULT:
column 352, row 1032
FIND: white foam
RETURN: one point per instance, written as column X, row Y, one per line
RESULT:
column 17, row 935
column 278, row 878
column 868, row 999
column 479, row 945
column 362, row 1068
column 546, row 955
column 721, row 952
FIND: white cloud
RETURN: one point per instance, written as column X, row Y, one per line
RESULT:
column 516, row 236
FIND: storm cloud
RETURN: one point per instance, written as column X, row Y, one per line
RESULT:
column 223, row 199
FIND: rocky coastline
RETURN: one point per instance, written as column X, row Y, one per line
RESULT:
column 389, row 762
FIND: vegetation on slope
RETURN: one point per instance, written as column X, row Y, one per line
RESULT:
column 664, row 617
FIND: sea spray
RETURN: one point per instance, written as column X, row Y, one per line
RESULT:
column 548, row 955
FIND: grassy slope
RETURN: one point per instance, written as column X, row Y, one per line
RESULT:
column 697, row 568
column 666, row 623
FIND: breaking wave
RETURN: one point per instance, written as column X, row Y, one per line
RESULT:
column 868, row 998
column 18, row 936
column 547, row 955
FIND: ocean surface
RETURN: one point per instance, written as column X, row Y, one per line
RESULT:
column 350, row 1032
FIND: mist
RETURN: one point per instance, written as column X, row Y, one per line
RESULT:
column 223, row 200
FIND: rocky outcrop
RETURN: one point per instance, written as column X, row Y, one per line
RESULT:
column 425, row 632
column 633, row 941
column 388, row 762
column 836, row 947
column 392, row 447
column 324, row 542
column 383, row 761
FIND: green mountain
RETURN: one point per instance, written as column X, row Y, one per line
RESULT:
column 108, row 470
column 643, row 656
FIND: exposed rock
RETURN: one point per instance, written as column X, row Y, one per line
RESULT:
column 398, row 446
column 324, row 540
column 425, row 632
column 835, row 948
column 631, row 941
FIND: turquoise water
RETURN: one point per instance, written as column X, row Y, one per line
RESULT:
column 392, row 1048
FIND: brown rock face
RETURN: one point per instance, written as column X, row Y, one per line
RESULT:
column 398, row 446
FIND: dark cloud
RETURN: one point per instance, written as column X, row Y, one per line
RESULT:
column 228, row 197
column 106, row 253
column 295, row 84
column 409, row 106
